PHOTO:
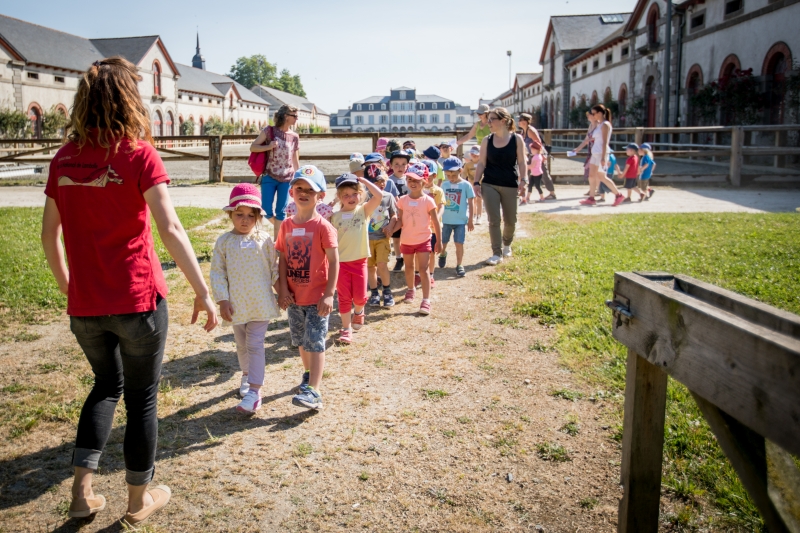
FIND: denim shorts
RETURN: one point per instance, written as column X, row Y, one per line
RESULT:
column 459, row 232
column 307, row 328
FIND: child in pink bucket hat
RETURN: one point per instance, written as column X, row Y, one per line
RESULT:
column 244, row 271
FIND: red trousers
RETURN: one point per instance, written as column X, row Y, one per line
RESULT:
column 352, row 284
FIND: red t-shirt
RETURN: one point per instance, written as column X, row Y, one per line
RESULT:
column 304, row 247
column 633, row 167
column 113, row 267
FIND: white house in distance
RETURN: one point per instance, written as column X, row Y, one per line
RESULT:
column 622, row 55
column 308, row 114
column 403, row 110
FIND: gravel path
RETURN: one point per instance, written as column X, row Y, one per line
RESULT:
column 666, row 200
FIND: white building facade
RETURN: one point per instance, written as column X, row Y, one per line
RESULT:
column 308, row 113
column 403, row 110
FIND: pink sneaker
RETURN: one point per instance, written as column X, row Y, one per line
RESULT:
column 425, row 307
column 588, row 201
column 618, row 200
column 358, row 320
column 409, row 296
column 345, row 336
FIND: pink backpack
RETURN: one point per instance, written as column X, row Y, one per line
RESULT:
column 258, row 160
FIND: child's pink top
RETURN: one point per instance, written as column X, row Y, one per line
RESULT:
column 416, row 218
column 536, row 165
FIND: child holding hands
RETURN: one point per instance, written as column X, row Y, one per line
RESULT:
column 308, row 269
column 244, row 269
column 352, row 224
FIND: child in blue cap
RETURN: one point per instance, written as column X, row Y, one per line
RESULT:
column 646, row 169
column 458, row 213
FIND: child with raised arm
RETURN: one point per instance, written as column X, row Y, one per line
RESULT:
column 244, row 269
column 416, row 213
column 308, row 269
column 458, row 212
column 352, row 227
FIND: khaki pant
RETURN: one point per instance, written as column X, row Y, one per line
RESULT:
column 496, row 198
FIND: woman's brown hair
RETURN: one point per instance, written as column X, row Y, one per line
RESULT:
column 280, row 114
column 600, row 108
column 526, row 117
column 503, row 114
column 108, row 101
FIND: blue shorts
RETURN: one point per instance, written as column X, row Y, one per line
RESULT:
column 459, row 232
column 307, row 329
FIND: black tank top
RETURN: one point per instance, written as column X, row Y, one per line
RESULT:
column 501, row 164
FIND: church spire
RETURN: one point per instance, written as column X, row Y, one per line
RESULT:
column 198, row 61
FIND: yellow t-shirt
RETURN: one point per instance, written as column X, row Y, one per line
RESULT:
column 437, row 193
column 352, row 228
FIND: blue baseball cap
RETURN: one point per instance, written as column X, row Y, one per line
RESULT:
column 356, row 155
column 452, row 163
column 311, row 175
column 400, row 153
column 346, row 179
column 432, row 152
column 373, row 158
column 633, row 146
column 646, row 146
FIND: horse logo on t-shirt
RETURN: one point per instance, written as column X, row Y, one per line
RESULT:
column 99, row 178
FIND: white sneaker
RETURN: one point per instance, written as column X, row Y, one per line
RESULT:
column 494, row 260
column 250, row 403
column 244, row 387
column 506, row 251
column 478, row 220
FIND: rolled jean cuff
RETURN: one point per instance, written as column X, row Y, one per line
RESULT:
column 138, row 479
column 86, row 458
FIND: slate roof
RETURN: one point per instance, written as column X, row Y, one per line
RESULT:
column 374, row 100
column 431, row 98
column 579, row 32
column 197, row 80
column 403, row 89
column 599, row 46
column 45, row 46
column 131, row 48
column 278, row 98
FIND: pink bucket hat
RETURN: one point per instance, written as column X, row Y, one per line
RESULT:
column 245, row 194
column 382, row 143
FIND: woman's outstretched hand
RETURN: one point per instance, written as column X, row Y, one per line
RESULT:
column 205, row 304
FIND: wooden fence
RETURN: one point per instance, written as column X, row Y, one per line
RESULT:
column 741, row 361
column 739, row 148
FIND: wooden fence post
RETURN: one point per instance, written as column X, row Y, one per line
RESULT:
column 737, row 141
column 219, row 160
column 642, row 445
column 639, row 135
column 215, row 159
column 548, row 140
column 375, row 137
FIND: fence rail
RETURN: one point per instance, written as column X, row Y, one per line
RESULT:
column 739, row 358
column 740, row 149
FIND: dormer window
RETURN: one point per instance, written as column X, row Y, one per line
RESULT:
column 402, row 95
column 371, row 107
column 358, row 107
column 447, row 105
column 383, row 107
column 434, row 106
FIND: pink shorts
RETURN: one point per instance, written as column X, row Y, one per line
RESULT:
column 411, row 249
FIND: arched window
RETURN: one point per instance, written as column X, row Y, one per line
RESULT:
column 156, row 78
column 572, row 103
column 180, row 125
column 383, row 107
column 729, row 66
column 557, row 122
column 230, row 100
column 168, row 124
column 371, row 107
column 545, row 114
column 593, row 101
column 622, row 99
column 433, row 105
column 447, row 105
column 35, row 116
column 607, row 97
column 552, row 120
column 157, row 123
column 694, row 82
column 652, row 24
column 202, row 123
column 650, row 102
column 777, row 63
column 552, row 63
column 358, row 107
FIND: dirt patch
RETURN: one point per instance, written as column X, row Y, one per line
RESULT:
column 444, row 423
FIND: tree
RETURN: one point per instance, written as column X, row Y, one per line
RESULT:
column 53, row 123
column 14, row 124
column 256, row 70
column 215, row 126
column 187, row 128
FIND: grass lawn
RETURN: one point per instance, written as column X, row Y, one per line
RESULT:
column 27, row 288
column 566, row 272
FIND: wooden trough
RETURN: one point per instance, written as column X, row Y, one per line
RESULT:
column 741, row 361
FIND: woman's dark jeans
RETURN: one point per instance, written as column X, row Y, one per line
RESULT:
column 125, row 352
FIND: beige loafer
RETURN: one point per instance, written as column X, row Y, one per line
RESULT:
column 161, row 495
column 85, row 507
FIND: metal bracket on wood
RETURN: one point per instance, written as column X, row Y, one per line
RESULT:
column 620, row 306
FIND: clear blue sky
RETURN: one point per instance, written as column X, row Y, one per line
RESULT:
column 343, row 50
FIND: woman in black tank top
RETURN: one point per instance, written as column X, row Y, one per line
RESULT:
column 497, row 174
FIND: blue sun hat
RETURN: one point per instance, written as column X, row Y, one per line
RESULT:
column 311, row 175
column 451, row 163
column 432, row 152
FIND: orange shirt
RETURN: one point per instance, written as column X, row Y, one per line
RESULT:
column 416, row 218
column 304, row 247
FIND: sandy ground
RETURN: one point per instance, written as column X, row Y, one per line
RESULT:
column 430, row 424
column 666, row 200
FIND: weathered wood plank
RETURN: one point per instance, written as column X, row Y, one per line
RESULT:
column 744, row 368
column 184, row 154
column 642, row 445
column 747, row 308
column 746, row 452
column 783, row 485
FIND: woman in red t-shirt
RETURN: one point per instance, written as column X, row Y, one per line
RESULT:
column 103, row 185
